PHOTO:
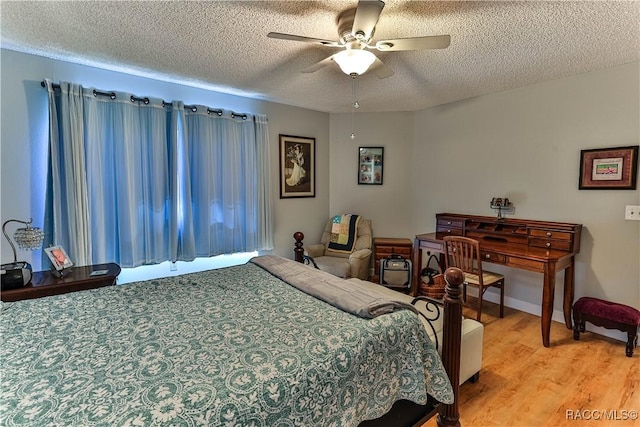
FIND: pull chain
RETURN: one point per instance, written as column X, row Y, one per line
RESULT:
column 354, row 96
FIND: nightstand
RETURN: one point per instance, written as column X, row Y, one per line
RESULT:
column 45, row 283
column 384, row 247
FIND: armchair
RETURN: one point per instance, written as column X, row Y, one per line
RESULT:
column 345, row 247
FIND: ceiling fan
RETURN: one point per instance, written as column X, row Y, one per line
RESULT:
column 355, row 31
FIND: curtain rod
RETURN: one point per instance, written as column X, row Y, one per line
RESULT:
column 145, row 100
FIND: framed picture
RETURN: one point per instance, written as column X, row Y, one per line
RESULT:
column 370, row 164
column 609, row 168
column 58, row 257
column 297, row 166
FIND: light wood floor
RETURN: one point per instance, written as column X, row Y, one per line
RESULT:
column 523, row 384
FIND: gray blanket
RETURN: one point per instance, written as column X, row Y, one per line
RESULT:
column 346, row 295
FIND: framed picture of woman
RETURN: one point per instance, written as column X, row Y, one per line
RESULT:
column 58, row 257
column 297, row 166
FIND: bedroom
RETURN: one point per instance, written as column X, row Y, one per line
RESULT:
column 523, row 143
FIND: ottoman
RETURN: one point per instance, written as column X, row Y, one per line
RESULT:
column 608, row 315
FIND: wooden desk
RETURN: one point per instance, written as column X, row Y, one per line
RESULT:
column 540, row 246
column 44, row 283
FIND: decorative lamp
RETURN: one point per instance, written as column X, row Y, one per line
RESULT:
column 501, row 205
column 18, row 274
column 354, row 61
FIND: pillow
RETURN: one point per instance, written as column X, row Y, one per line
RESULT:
column 343, row 233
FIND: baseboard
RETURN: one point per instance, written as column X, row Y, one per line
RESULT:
column 557, row 316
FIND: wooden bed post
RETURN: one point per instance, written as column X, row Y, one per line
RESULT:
column 452, row 324
column 298, row 251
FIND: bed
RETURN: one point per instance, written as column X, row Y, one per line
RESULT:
column 248, row 345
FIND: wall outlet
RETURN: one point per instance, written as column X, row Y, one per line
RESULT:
column 632, row 213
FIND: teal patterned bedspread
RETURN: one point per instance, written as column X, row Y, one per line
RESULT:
column 232, row 347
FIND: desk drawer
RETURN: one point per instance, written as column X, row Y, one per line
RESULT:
column 491, row 257
column 427, row 245
column 450, row 223
column 561, row 245
column 447, row 230
column 396, row 250
column 525, row 264
column 550, row 234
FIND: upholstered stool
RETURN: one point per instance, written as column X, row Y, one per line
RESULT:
column 609, row 315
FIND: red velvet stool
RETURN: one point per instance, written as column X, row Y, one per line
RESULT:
column 609, row 315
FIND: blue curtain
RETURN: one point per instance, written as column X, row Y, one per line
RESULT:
column 128, row 179
column 221, row 153
column 67, row 209
column 138, row 182
column 265, row 209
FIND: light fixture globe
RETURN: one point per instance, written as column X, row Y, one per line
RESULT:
column 354, row 61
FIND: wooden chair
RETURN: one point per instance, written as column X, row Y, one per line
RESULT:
column 464, row 253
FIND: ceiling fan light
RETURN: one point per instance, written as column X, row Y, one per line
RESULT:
column 354, row 61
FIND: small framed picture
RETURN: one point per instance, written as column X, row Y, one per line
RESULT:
column 370, row 164
column 58, row 257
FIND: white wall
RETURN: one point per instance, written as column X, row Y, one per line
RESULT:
column 523, row 144
column 387, row 205
column 23, row 138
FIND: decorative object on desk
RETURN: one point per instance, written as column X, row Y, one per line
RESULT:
column 59, row 258
column 18, row 274
column 609, row 168
column 297, row 166
column 370, row 164
column 501, row 205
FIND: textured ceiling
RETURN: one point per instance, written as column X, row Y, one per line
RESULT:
column 223, row 45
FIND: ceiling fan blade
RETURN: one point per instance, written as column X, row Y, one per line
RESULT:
column 381, row 70
column 315, row 67
column 304, row 39
column 415, row 43
column 367, row 15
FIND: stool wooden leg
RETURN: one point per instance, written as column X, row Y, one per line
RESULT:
column 576, row 326
column 632, row 340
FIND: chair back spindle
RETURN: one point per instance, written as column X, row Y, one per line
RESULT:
column 464, row 253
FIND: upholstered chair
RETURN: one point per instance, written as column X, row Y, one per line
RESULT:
column 345, row 247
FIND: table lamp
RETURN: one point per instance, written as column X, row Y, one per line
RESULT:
column 18, row 274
